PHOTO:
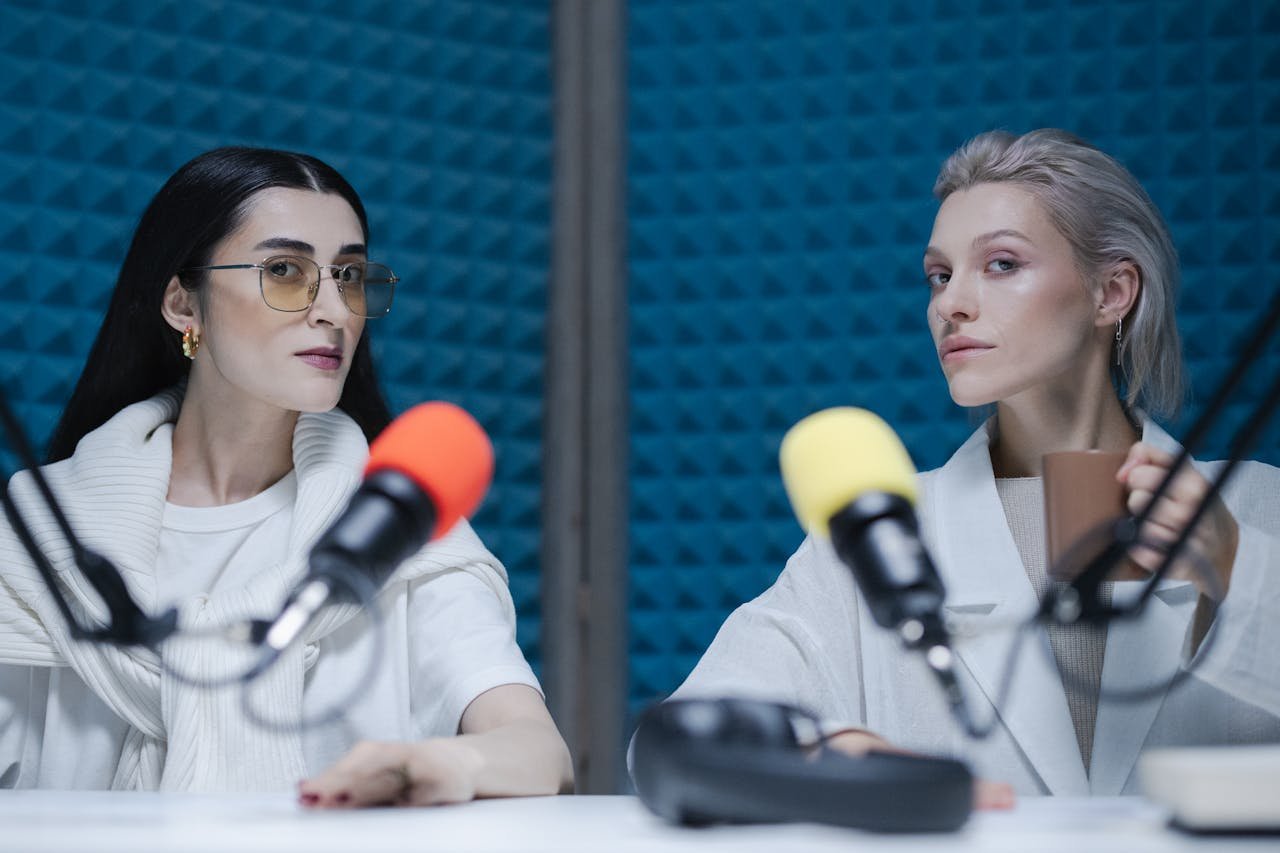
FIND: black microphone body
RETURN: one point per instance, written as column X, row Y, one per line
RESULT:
column 878, row 538
column 387, row 520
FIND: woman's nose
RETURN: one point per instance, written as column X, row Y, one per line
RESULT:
column 957, row 300
column 329, row 305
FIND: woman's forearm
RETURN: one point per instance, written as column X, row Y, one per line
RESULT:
column 521, row 758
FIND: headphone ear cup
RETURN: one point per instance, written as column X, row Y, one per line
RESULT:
column 697, row 762
column 727, row 720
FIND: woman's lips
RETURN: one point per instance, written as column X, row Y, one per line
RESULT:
column 323, row 359
column 959, row 348
column 962, row 353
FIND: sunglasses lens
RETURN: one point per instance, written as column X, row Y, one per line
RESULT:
column 288, row 283
column 372, row 296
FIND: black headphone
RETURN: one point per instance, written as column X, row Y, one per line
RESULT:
column 701, row 761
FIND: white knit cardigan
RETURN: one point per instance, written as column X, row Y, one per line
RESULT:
column 113, row 492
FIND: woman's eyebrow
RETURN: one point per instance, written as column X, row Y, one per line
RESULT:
column 1003, row 232
column 287, row 243
column 304, row 248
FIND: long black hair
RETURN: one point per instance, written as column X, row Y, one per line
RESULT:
column 137, row 354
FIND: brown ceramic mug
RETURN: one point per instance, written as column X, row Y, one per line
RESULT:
column 1082, row 499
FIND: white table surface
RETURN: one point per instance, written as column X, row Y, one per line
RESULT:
column 86, row 821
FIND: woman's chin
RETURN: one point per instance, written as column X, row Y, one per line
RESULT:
column 317, row 396
column 315, row 406
column 971, row 398
column 315, row 401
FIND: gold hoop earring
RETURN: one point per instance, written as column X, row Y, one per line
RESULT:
column 190, row 343
column 1119, row 328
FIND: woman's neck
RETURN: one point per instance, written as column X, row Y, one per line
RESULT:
column 1027, row 428
column 224, row 452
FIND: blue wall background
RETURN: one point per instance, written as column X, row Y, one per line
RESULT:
column 437, row 111
column 781, row 157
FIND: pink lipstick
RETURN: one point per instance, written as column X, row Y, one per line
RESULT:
column 957, row 347
column 324, row 358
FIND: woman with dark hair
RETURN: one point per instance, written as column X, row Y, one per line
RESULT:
column 136, row 353
column 1052, row 280
column 218, row 428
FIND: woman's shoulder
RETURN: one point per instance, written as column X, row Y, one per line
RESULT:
column 51, row 471
column 459, row 550
column 1248, row 472
column 1252, row 493
column 814, row 586
column 972, row 454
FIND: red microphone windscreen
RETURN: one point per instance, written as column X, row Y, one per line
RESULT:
column 442, row 449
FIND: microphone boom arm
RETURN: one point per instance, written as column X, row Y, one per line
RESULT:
column 127, row 624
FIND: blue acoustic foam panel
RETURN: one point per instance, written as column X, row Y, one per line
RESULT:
column 781, row 158
column 437, row 111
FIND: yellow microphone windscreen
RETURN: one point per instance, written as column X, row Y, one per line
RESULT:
column 832, row 457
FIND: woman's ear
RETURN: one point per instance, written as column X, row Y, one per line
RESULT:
column 179, row 308
column 1120, row 290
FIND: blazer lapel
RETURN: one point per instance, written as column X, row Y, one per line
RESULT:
column 987, row 587
column 1146, row 650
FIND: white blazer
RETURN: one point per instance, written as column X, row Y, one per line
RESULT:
column 810, row 640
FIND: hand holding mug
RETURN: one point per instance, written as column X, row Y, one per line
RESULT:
column 1214, row 541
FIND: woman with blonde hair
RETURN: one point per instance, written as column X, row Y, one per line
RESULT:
column 1052, row 281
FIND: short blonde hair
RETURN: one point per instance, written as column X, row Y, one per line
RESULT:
column 1107, row 217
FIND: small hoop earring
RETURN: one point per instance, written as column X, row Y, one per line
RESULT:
column 190, row 343
column 1119, row 328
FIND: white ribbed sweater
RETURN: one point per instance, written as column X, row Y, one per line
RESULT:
column 113, row 491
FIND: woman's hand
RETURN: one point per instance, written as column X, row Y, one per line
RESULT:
column 423, row 773
column 508, row 747
column 986, row 795
column 1214, row 541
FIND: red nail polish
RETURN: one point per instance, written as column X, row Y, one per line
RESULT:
column 308, row 799
column 343, row 797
